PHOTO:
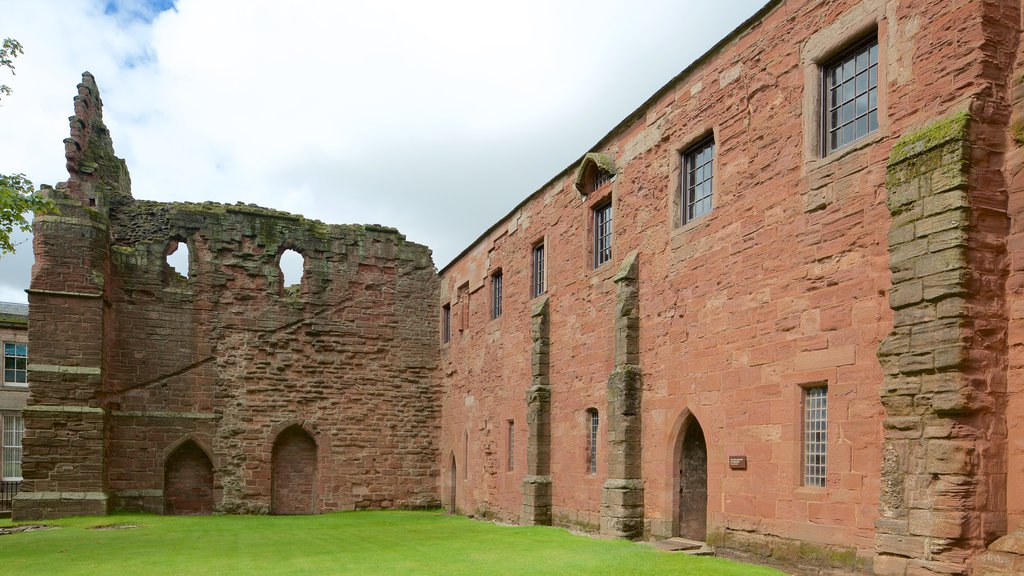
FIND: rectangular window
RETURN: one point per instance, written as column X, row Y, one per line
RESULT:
column 602, row 234
column 592, row 423
column 446, row 323
column 538, row 271
column 496, row 280
column 697, row 181
column 815, row 435
column 850, row 96
column 15, row 363
column 511, row 445
column 13, row 431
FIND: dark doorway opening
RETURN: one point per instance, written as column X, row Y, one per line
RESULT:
column 693, row 483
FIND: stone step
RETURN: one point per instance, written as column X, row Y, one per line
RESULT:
column 692, row 547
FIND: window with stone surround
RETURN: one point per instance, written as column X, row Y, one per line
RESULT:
column 15, row 364
column 13, row 431
column 697, row 180
column 537, row 283
column 511, row 445
column 850, row 96
column 446, row 323
column 815, row 440
column 496, row 286
column 592, row 424
column 602, row 233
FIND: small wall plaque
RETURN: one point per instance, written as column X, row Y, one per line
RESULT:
column 737, row 462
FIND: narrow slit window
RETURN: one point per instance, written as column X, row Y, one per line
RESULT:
column 850, row 96
column 446, row 323
column 511, row 445
column 698, row 180
column 538, row 271
column 592, row 424
column 815, row 435
column 602, row 234
column 496, row 286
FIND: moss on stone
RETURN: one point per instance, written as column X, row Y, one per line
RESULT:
column 1017, row 131
column 603, row 161
column 931, row 136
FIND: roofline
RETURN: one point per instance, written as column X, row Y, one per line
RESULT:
column 628, row 120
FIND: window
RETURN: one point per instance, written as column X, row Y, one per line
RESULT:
column 446, row 323
column 601, row 177
column 496, row 280
column 850, row 87
column 15, row 363
column 602, row 234
column 815, row 435
column 13, row 431
column 537, row 282
column 592, row 422
column 697, row 180
column 511, row 445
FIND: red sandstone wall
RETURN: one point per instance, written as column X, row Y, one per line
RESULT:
column 228, row 356
column 784, row 284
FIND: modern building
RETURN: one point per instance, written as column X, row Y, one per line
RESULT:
column 13, row 394
column 776, row 308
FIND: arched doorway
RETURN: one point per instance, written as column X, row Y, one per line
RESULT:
column 693, row 482
column 453, row 482
column 293, row 473
column 188, row 481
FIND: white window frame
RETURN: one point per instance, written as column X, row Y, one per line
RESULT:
column 12, row 430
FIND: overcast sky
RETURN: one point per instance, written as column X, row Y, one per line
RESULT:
column 434, row 117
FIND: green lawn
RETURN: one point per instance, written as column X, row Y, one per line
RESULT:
column 341, row 543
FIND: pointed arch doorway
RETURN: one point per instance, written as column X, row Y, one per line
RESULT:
column 692, row 479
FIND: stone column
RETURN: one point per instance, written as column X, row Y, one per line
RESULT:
column 935, row 479
column 537, row 483
column 622, row 498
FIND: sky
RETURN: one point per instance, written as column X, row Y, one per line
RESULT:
column 436, row 117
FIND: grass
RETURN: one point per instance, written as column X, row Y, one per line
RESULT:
column 341, row 543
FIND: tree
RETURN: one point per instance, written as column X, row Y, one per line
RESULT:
column 18, row 196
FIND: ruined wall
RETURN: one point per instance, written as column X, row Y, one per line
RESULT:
column 227, row 357
column 785, row 285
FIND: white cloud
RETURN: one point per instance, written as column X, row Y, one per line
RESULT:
column 389, row 112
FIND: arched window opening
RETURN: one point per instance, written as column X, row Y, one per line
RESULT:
column 592, row 424
column 178, row 258
column 293, row 266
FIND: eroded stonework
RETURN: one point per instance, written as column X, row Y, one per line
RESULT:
column 131, row 359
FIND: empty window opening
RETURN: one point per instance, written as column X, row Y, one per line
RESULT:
column 592, row 424
column 177, row 257
column 815, row 435
column 292, row 267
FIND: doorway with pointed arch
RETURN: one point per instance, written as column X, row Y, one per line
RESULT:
column 691, row 481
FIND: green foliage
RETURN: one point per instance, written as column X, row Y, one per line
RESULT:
column 357, row 543
column 17, row 195
column 17, row 198
column 11, row 49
